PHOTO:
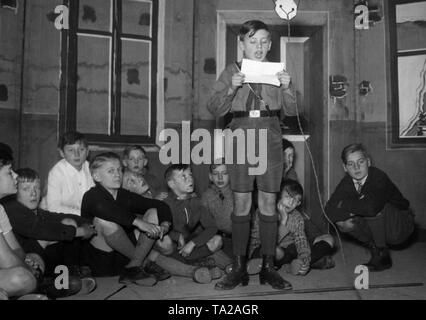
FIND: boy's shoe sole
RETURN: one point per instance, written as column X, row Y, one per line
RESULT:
column 202, row 275
column 146, row 282
column 136, row 275
column 88, row 285
column 216, row 273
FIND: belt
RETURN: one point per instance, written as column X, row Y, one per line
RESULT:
column 256, row 114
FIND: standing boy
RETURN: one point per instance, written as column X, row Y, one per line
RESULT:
column 254, row 106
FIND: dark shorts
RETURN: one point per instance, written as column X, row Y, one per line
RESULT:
column 269, row 153
column 102, row 263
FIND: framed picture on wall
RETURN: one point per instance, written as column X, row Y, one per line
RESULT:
column 407, row 40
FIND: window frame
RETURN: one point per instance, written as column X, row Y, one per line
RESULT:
column 68, row 82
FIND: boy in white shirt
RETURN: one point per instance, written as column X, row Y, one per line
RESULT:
column 70, row 178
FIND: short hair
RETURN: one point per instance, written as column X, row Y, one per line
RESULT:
column 102, row 158
column 72, row 137
column 6, row 155
column 292, row 187
column 287, row 144
column 168, row 175
column 129, row 149
column 251, row 27
column 354, row 147
column 27, row 175
column 221, row 162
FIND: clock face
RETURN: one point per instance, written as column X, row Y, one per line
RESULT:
column 286, row 9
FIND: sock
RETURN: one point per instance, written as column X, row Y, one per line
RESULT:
column 240, row 234
column 268, row 229
column 319, row 250
column 221, row 259
column 199, row 252
column 377, row 227
column 120, row 242
column 143, row 247
column 175, row 267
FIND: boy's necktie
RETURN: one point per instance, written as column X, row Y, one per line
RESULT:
column 221, row 196
column 358, row 187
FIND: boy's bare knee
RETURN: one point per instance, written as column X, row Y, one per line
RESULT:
column 151, row 216
column 242, row 203
column 106, row 227
column 215, row 243
column 69, row 222
column 267, row 202
column 22, row 281
column 165, row 246
column 279, row 253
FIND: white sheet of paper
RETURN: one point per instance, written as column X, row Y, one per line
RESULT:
column 261, row 72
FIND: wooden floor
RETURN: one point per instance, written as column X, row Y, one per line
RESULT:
column 405, row 280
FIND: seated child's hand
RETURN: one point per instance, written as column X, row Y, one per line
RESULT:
column 300, row 267
column 284, row 78
column 162, row 196
column 86, row 231
column 152, row 230
column 181, row 242
column 35, row 263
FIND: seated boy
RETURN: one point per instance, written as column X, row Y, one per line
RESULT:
column 136, row 177
column 16, row 278
column 219, row 200
column 299, row 243
column 288, row 156
column 189, row 214
column 70, row 178
column 45, row 233
column 369, row 207
column 116, row 213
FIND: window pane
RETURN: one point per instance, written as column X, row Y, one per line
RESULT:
column 93, row 84
column 137, row 17
column 95, row 15
column 135, row 87
column 410, row 26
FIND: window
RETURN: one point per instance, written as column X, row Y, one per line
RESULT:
column 110, row 62
column 407, row 107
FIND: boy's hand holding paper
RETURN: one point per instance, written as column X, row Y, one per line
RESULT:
column 264, row 72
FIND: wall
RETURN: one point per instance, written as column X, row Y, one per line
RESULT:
column 40, row 98
column 10, row 76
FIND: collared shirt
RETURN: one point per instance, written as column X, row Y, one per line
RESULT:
column 66, row 187
column 358, row 182
column 220, row 102
column 5, row 226
column 221, row 209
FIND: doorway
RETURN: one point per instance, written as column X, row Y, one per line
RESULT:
column 305, row 54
